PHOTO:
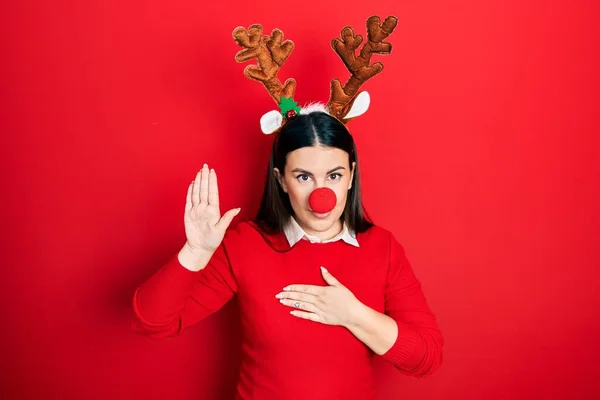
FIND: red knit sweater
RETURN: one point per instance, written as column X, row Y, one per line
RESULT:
column 283, row 356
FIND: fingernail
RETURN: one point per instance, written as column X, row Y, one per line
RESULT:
column 286, row 288
column 323, row 268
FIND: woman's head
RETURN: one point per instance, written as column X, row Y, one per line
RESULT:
column 313, row 151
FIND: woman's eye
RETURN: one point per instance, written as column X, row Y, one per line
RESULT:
column 302, row 177
column 335, row 176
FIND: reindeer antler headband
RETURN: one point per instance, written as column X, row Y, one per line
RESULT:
column 344, row 102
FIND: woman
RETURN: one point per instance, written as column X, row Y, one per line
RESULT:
column 319, row 292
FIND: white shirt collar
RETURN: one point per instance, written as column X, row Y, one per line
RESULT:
column 294, row 233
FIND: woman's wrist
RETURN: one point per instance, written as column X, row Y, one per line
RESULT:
column 359, row 316
column 193, row 259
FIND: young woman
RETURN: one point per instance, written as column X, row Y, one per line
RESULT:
column 320, row 291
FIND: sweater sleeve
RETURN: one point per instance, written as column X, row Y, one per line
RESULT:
column 417, row 350
column 175, row 298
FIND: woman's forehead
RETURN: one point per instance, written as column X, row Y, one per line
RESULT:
column 317, row 158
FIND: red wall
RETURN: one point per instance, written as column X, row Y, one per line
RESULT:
column 479, row 153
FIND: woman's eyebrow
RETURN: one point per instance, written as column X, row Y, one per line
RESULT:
column 335, row 169
column 310, row 173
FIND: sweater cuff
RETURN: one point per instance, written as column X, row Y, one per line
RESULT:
column 404, row 352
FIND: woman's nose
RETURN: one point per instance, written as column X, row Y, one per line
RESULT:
column 319, row 183
column 322, row 200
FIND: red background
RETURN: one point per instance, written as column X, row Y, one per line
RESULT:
column 479, row 152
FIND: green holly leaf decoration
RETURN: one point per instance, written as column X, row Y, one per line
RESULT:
column 288, row 104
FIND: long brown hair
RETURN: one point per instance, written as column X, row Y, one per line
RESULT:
column 315, row 128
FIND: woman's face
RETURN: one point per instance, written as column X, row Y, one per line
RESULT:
column 309, row 168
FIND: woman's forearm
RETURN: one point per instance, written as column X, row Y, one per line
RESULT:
column 377, row 330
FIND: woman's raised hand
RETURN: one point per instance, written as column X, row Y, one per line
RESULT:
column 204, row 225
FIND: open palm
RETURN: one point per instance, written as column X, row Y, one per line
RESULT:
column 204, row 225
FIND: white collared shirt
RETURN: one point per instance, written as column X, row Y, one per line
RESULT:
column 294, row 233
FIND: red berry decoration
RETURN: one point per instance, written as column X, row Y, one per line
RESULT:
column 290, row 114
column 322, row 200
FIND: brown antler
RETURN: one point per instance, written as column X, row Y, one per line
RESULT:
column 340, row 101
column 270, row 53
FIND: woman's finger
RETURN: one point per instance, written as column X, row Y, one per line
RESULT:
column 213, row 190
column 188, row 198
column 226, row 219
column 300, row 305
column 196, row 189
column 307, row 315
column 204, row 185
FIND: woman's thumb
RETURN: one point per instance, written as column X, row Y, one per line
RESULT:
column 226, row 219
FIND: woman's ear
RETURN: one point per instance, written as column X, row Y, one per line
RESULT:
column 280, row 179
column 352, row 175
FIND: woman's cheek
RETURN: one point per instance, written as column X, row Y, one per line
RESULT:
column 341, row 197
column 299, row 196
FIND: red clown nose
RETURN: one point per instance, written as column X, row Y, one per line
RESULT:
column 322, row 200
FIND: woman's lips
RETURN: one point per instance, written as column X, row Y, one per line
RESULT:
column 321, row 215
